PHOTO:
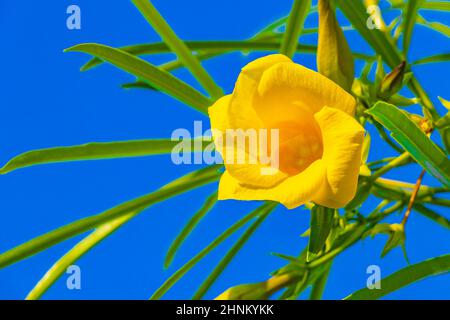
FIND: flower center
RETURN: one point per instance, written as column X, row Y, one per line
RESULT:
column 300, row 144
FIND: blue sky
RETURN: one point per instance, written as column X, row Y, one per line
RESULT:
column 47, row 102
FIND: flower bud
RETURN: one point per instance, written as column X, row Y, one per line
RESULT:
column 334, row 58
column 393, row 81
column 258, row 291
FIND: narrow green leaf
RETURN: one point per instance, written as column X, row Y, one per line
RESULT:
column 183, row 53
column 404, row 277
column 95, row 151
column 409, row 21
column 384, row 45
column 444, row 57
column 379, row 74
column 436, row 5
column 362, row 193
column 38, row 244
column 319, row 284
column 430, row 214
column 79, row 250
column 433, row 25
column 321, row 221
column 188, row 228
column 296, row 19
column 162, row 80
column 401, row 101
column 396, row 238
column 214, row 48
column 206, row 285
column 170, row 66
column 174, row 278
column 427, row 5
column 356, row 13
column 97, row 236
column 138, row 85
column 439, row 27
column 410, row 137
column 445, row 103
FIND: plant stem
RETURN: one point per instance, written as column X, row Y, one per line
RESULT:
column 319, row 285
column 400, row 160
column 413, row 197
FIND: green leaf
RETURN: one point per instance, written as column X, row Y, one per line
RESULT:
column 79, row 250
column 95, row 151
column 162, row 80
column 379, row 74
column 436, row 5
column 206, row 285
column 356, row 13
column 175, row 277
column 445, row 103
column 409, row 21
column 401, row 101
column 410, row 137
column 321, row 221
column 89, row 242
column 384, row 45
column 183, row 53
column 430, row 214
column 138, row 85
column 444, row 57
column 213, row 48
column 187, row 230
column 433, row 25
column 296, row 19
column 404, row 277
column 38, row 244
column 396, row 238
column 318, row 286
column 362, row 193
column 426, row 5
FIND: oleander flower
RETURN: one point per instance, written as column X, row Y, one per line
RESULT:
column 320, row 142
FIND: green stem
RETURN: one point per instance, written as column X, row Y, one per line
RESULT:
column 400, row 160
column 318, row 286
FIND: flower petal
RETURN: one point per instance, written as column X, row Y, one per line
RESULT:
column 218, row 113
column 290, row 82
column 292, row 192
column 252, row 174
column 242, row 114
column 342, row 146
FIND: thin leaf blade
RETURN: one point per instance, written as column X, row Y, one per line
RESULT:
column 40, row 243
column 404, row 277
column 160, row 79
column 152, row 16
column 94, row 151
column 410, row 137
column 192, row 223
column 296, row 19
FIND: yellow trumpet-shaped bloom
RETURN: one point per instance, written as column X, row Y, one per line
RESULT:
column 319, row 141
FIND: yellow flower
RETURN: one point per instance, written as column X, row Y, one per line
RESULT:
column 319, row 140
